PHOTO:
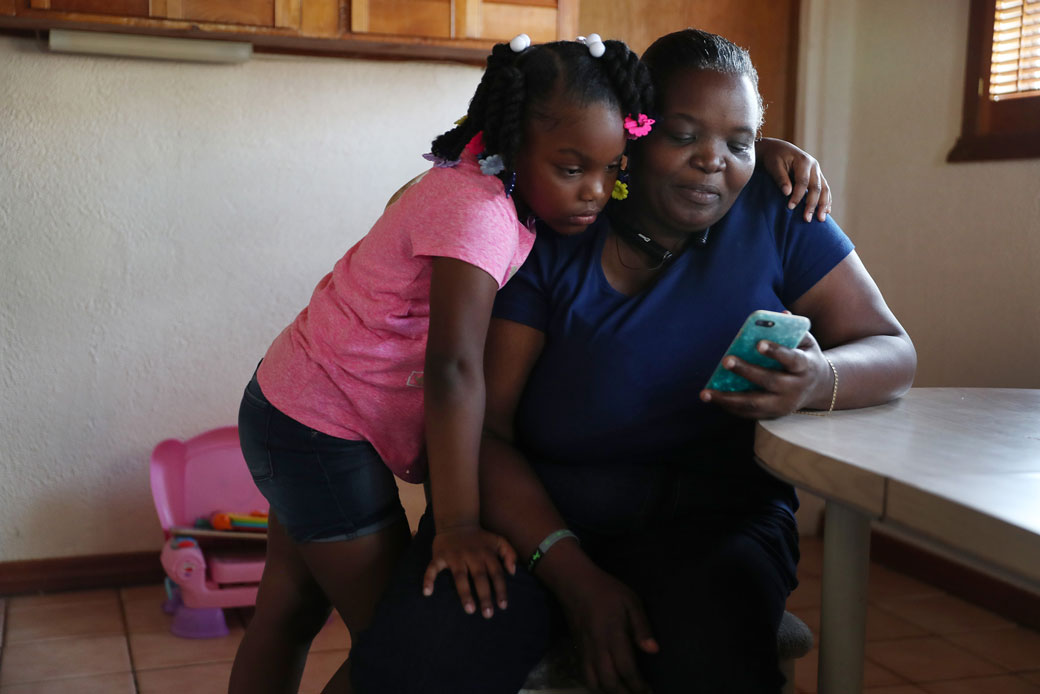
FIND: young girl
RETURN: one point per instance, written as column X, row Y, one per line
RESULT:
column 335, row 409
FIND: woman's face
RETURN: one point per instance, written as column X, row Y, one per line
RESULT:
column 689, row 171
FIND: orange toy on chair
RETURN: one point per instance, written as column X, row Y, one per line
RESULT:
column 253, row 522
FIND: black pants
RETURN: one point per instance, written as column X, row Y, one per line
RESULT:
column 713, row 587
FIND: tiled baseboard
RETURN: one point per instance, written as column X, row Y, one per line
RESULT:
column 117, row 570
column 79, row 573
column 957, row 578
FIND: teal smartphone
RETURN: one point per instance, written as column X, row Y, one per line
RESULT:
column 782, row 328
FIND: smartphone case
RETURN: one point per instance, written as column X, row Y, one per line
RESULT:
column 782, row 328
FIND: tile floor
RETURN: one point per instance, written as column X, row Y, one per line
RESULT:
column 919, row 641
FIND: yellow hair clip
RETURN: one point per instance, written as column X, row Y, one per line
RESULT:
column 620, row 191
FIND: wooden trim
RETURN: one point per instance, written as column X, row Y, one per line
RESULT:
column 794, row 45
column 567, row 17
column 978, row 34
column 80, row 573
column 287, row 13
column 324, row 25
column 322, row 17
column 527, row 3
column 267, row 40
column 995, row 146
column 1007, row 129
column 467, row 19
column 1009, row 601
column 359, row 15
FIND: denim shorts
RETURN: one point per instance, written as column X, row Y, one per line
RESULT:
column 320, row 487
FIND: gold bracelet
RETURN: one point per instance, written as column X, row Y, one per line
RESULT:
column 834, row 394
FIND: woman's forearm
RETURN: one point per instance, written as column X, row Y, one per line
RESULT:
column 870, row 371
column 871, row 352
column 515, row 504
column 513, row 501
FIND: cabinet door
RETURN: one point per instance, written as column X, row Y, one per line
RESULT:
column 122, row 8
column 402, row 17
column 499, row 20
column 768, row 29
column 259, row 13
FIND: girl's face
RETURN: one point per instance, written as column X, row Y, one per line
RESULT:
column 567, row 166
column 689, row 171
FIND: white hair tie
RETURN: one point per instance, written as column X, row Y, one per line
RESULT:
column 595, row 44
column 520, row 43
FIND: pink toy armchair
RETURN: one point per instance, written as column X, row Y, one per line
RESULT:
column 192, row 479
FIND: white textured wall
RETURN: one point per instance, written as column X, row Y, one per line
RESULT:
column 954, row 247
column 159, row 224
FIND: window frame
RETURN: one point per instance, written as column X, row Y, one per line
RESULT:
column 992, row 130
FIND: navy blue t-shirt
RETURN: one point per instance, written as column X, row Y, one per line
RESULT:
column 616, row 387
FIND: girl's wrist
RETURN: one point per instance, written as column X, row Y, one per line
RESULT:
column 453, row 524
column 458, row 510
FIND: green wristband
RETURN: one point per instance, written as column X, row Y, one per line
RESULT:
column 545, row 544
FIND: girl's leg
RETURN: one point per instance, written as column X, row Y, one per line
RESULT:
column 353, row 574
column 292, row 606
column 290, row 610
column 336, row 528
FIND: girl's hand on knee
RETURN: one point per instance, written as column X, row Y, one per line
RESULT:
column 475, row 556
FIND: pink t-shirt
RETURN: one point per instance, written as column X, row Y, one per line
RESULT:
column 351, row 363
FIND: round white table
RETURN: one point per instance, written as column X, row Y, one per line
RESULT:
column 959, row 466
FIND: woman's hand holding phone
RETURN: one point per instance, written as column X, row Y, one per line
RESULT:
column 804, row 378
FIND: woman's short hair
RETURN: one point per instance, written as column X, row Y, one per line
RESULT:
column 693, row 49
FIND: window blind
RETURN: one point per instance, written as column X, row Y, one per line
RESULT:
column 1015, row 62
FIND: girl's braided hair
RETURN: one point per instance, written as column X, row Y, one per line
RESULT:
column 516, row 87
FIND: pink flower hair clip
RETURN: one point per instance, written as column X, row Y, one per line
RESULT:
column 639, row 126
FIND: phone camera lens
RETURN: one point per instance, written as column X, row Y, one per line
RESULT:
column 765, row 323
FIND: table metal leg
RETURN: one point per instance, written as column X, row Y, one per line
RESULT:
column 843, row 618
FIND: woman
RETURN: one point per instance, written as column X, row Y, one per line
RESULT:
column 650, row 530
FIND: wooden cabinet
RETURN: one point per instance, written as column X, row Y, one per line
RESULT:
column 402, row 17
column 769, row 30
column 440, row 29
column 543, row 20
column 258, row 13
column 499, row 20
